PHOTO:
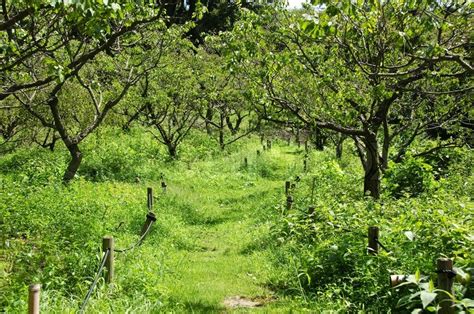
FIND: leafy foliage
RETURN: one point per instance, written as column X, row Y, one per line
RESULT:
column 411, row 177
column 121, row 85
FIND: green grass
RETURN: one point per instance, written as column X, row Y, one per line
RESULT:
column 220, row 230
column 223, row 212
column 210, row 241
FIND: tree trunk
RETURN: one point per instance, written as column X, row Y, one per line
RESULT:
column 319, row 140
column 172, row 151
column 209, row 115
column 221, row 131
column 52, row 145
column 74, row 163
column 232, row 128
column 385, row 147
column 339, row 146
column 372, row 167
column 221, row 139
column 298, row 141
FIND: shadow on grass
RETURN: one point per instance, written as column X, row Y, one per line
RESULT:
column 192, row 217
column 261, row 244
column 201, row 307
column 294, row 152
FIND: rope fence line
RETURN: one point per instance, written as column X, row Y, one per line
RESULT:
column 94, row 283
column 445, row 271
column 109, row 249
column 382, row 246
column 139, row 242
column 151, row 218
column 107, row 260
column 346, row 230
column 376, row 239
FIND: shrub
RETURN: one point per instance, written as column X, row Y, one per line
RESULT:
column 411, row 177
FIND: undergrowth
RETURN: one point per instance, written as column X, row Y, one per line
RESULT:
column 221, row 215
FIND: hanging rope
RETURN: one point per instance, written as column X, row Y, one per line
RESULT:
column 346, row 230
column 139, row 242
column 382, row 246
column 94, row 283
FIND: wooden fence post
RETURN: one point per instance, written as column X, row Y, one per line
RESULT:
column 269, row 144
column 163, row 186
column 287, row 187
column 149, row 194
column 289, row 202
column 150, row 219
column 373, row 247
column 34, row 299
column 311, row 210
column 446, row 277
column 108, row 244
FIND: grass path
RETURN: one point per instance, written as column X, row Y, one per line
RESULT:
column 219, row 249
column 213, row 238
column 211, row 241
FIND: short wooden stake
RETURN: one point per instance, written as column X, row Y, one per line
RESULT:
column 108, row 244
column 373, row 247
column 163, row 186
column 149, row 195
column 311, row 210
column 287, row 187
column 446, row 277
column 269, row 144
column 246, row 162
column 289, row 202
column 395, row 280
column 34, row 299
column 150, row 219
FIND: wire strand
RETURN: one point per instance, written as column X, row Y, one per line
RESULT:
column 94, row 283
column 382, row 246
column 139, row 242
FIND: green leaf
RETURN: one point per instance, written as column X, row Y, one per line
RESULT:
column 115, row 6
column 427, row 298
column 410, row 235
column 461, row 275
column 467, row 303
column 431, row 286
column 417, row 275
